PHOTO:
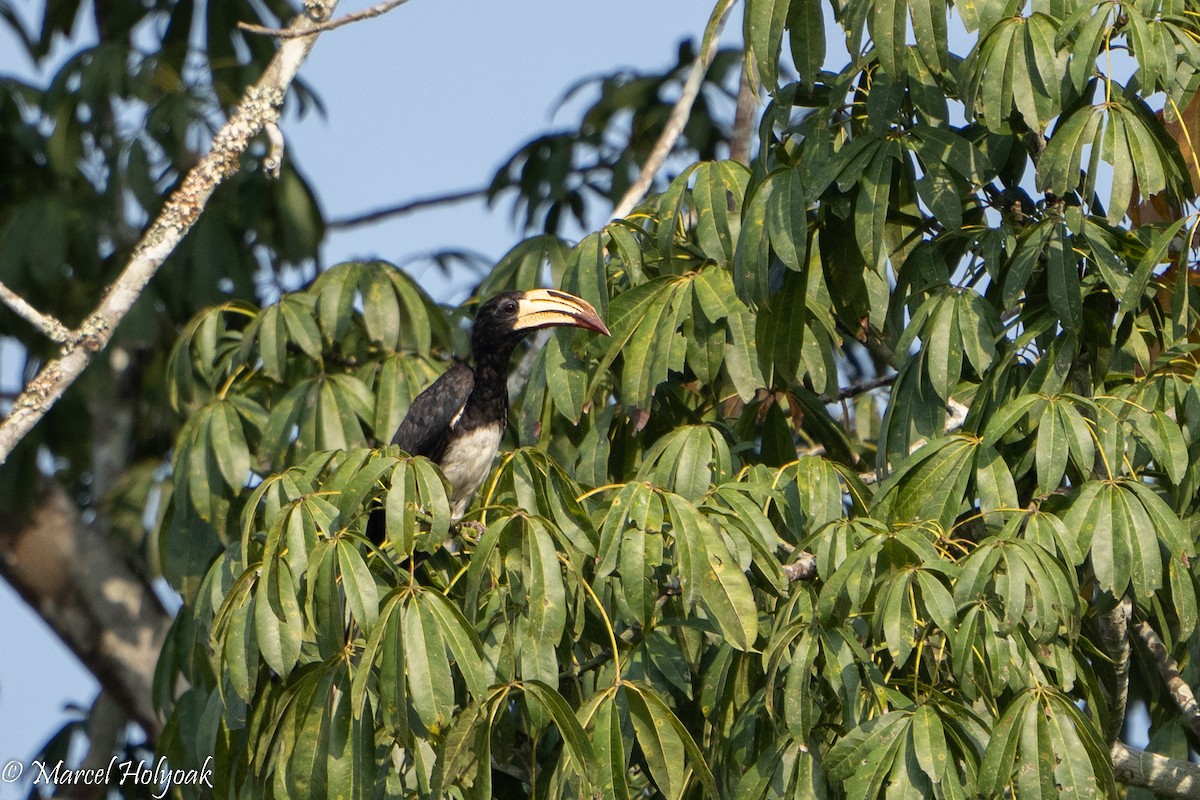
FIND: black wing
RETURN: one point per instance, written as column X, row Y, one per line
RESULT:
column 423, row 431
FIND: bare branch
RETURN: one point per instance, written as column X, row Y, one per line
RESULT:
column 1161, row 775
column 260, row 105
column 679, row 113
column 1181, row 693
column 420, row 204
column 47, row 324
column 294, row 32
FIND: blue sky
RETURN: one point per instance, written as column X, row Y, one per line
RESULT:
column 427, row 99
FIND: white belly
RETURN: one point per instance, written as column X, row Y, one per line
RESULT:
column 466, row 463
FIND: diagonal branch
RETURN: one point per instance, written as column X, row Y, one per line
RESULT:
column 259, row 106
column 679, row 113
column 1181, row 693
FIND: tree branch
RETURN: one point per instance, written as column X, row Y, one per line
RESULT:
column 1114, row 637
column 419, row 204
column 1161, row 775
column 104, row 612
column 47, row 324
column 679, row 113
column 1132, row 767
column 260, row 105
column 743, row 120
column 854, row 390
column 293, row 32
column 804, row 568
column 1181, row 693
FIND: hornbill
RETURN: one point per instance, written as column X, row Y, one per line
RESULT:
column 458, row 420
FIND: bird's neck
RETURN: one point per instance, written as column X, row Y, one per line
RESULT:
column 490, row 392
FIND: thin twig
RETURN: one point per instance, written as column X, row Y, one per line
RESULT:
column 1181, row 693
column 47, row 324
column 260, row 105
column 320, row 27
column 679, row 113
column 420, row 204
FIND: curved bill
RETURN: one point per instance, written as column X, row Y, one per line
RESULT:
column 541, row 308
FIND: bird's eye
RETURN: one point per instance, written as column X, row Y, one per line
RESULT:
column 509, row 307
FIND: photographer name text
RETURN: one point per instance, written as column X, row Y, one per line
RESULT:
column 117, row 773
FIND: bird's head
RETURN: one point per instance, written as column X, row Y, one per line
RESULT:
column 510, row 315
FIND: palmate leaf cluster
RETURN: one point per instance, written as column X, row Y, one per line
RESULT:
column 624, row 623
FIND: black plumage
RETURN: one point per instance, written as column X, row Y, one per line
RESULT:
column 458, row 420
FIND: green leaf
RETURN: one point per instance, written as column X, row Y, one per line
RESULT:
column 864, row 747
column 566, row 378
column 871, row 208
column 609, row 748
column 1006, row 418
column 1062, row 277
column 463, row 641
column 763, row 23
column 228, row 445
column 786, row 217
column 547, row 606
column 943, row 345
column 996, row 768
column 661, row 745
column 726, row 593
column 806, row 36
column 278, row 631
column 430, row 688
column 361, row 594
column 665, row 741
column 400, row 508
column 578, row 745
column 887, row 23
column 929, row 743
column 1051, row 449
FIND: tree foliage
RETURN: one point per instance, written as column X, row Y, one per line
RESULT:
column 945, row 218
column 85, row 161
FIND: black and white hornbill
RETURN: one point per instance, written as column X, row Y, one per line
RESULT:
column 458, row 420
